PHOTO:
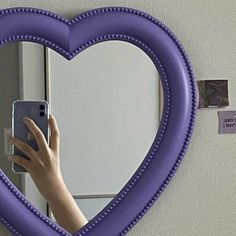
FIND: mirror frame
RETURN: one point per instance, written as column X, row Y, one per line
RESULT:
column 69, row 37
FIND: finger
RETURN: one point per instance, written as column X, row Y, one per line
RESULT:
column 37, row 133
column 20, row 161
column 55, row 135
column 24, row 147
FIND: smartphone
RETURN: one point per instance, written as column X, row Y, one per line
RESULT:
column 38, row 111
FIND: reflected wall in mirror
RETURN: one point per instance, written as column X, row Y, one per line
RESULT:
column 107, row 102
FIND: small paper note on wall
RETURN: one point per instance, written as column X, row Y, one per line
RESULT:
column 227, row 122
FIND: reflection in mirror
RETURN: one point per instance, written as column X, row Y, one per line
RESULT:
column 107, row 103
column 9, row 91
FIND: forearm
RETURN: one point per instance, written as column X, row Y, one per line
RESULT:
column 65, row 210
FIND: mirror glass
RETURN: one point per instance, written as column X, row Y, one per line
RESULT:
column 107, row 102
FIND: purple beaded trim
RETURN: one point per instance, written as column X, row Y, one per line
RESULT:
column 19, row 196
column 9, row 226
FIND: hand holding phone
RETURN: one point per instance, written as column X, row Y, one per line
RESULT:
column 43, row 163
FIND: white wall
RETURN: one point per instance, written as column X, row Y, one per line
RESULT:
column 108, row 117
column 201, row 197
column 110, row 97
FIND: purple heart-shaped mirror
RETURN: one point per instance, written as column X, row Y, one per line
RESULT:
column 69, row 38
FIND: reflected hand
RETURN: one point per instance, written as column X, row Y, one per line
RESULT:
column 44, row 167
column 43, row 164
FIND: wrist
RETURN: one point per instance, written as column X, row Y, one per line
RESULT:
column 60, row 199
column 57, row 194
column 55, row 189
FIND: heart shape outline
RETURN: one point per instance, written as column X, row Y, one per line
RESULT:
column 69, row 38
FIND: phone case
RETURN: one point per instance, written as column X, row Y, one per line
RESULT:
column 33, row 110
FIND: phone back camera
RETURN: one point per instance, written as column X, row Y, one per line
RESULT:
column 41, row 113
column 42, row 107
